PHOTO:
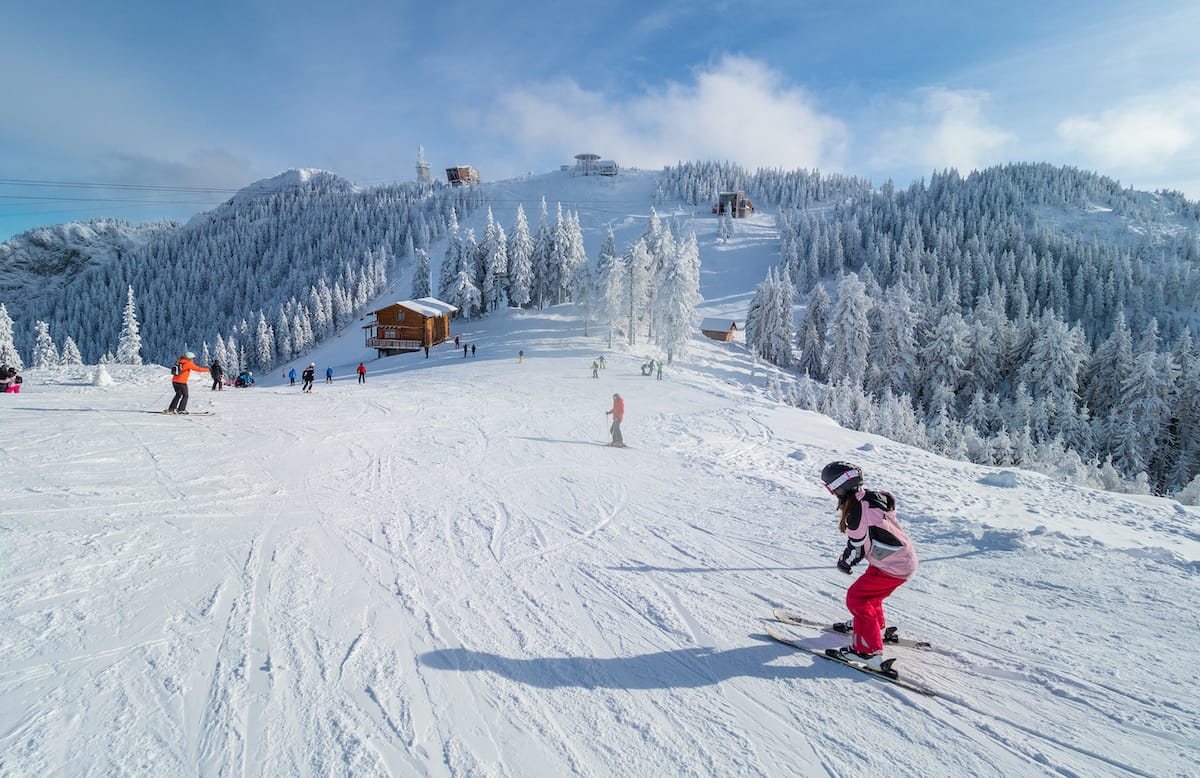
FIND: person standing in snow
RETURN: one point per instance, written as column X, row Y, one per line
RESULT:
column 472, row 351
column 309, row 375
column 520, row 357
column 329, row 375
column 618, row 415
column 595, row 369
column 292, row 376
column 179, row 381
column 464, row 351
column 660, row 370
column 217, row 372
column 362, row 373
column 868, row 519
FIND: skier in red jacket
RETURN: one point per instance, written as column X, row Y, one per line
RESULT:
column 618, row 415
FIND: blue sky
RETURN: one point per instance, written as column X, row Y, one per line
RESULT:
column 182, row 103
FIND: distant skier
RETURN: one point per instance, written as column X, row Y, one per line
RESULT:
column 660, row 370
column 472, row 351
column 520, row 357
column 10, row 380
column 329, row 375
column 292, row 376
column 618, row 415
column 309, row 375
column 179, row 381
column 217, row 373
column 595, row 369
column 601, row 361
column 362, row 373
column 868, row 518
column 464, row 351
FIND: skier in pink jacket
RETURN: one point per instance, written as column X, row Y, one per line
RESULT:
column 868, row 518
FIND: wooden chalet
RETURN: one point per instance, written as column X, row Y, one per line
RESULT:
column 462, row 175
column 409, row 325
column 736, row 202
column 719, row 329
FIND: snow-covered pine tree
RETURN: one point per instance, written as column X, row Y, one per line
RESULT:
column 70, row 353
column 609, row 282
column 8, row 351
column 849, row 335
column 678, row 296
column 422, row 279
column 769, row 320
column 264, row 343
column 497, row 269
column 810, row 340
column 129, row 346
column 636, row 264
column 574, row 254
column 451, row 260
column 464, row 296
column 543, row 259
column 45, row 353
column 520, row 261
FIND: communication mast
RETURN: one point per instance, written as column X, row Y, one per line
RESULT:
column 423, row 167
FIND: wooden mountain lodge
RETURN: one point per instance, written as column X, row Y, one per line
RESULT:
column 737, row 202
column 719, row 329
column 462, row 175
column 409, row 325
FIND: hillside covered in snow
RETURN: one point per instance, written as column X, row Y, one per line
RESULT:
column 445, row 572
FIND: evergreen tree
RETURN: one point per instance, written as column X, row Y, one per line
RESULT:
column 636, row 264
column 520, row 262
column 45, row 353
column 129, row 347
column 264, row 343
column 810, row 342
column 451, row 260
column 422, row 280
column 678, row 296
column 609, row 282
column 849, row 334
column 70, row 353
column 464, row 295
column 8, row 351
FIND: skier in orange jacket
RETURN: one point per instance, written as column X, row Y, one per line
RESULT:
column 179, row 381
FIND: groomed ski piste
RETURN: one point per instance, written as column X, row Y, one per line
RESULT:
column 440, row 572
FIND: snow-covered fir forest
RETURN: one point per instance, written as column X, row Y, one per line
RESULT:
column 950, row 315
column 970, row 316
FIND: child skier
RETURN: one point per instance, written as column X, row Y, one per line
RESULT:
column 868, row 518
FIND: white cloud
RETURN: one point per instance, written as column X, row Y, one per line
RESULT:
column 1147, row 132
column 941, row 128
column 738, row 110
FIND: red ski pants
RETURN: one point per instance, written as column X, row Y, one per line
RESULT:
column 865, row 599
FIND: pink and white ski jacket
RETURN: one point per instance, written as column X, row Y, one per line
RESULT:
column 873, row 533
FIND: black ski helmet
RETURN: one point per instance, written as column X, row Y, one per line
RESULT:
column 842, row 478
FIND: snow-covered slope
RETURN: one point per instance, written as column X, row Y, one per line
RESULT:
column 445, row 572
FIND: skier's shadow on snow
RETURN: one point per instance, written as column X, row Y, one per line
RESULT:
column 681, row 668
column 557, row 440
column 652, row 569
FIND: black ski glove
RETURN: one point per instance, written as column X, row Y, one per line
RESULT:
column 844, row 566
